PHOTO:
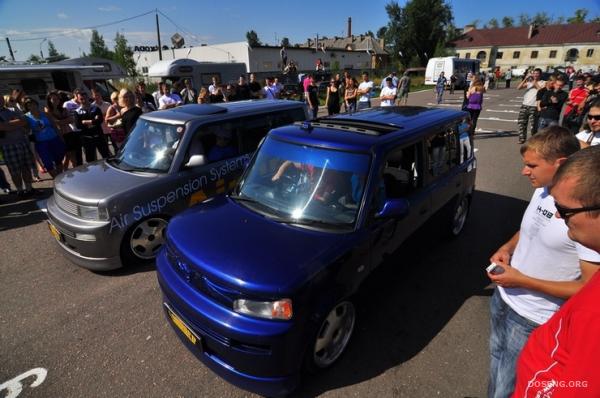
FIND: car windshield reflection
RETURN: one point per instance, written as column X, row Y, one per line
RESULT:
column 305, row 185
column 150, row 146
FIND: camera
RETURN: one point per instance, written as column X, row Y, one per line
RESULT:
column 494, row 269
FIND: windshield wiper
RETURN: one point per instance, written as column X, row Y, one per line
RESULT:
column 243, row 198
column 312, row 221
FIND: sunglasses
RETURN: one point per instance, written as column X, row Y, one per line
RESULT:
column 595, row 117
column 566, row 212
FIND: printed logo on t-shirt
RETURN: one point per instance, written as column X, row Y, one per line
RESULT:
column 545, row 212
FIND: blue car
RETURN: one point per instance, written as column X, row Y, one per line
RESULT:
column 260, row 283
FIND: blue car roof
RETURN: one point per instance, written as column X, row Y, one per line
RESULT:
column 363, row 130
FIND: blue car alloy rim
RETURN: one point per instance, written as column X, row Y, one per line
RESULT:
column 334, row 334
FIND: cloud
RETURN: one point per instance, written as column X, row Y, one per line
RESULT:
column 62, row 15
column 110, row 8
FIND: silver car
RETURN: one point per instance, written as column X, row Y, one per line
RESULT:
column 114, row 211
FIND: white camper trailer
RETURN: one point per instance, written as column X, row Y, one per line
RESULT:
column 67, row 75
column 199, row 73
column 450, row 66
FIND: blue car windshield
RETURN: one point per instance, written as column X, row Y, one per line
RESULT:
column 149, row 147
column 304, row 184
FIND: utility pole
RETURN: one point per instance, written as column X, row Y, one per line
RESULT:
column 12, row 55
column 158, row 37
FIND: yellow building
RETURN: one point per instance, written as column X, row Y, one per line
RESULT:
column 533, row 46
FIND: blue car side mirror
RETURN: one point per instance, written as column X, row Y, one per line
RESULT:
column 394, row 208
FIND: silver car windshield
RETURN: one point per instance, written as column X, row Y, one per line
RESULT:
column 150, row 146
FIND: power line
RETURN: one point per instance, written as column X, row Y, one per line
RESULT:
column 183, row 30
column 66, row 32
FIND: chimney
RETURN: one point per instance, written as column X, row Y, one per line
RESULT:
column 349, row 26
column 532, row 31
column 468, row 28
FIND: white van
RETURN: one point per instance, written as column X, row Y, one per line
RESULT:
column 37, row 80
column 199, row 73
column 450, row 65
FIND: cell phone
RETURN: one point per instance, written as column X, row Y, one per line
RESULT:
column 494, row 269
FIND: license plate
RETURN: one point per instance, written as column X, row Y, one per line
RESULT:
column 55, row 232
column 182, row 326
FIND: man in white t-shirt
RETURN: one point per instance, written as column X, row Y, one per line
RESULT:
column 591, row 137
column 388, row 93
column 365, row 88
column 539, row 267
column 528, row 114
column 168, row 100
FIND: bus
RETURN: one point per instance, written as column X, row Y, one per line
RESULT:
column 450, row 66
column 199, row 73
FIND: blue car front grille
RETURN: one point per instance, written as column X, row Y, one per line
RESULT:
column 199, row 281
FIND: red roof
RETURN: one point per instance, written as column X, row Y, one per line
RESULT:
column 542, row 35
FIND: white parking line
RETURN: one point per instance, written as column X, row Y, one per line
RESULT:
column 501, row 111
column 515, row 100
column 456, row 105
column 495, row 119
column 516, row 106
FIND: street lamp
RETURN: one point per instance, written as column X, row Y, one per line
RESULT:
column 41, row 53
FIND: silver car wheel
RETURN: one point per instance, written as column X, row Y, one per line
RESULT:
column 147, row 238
column 334, row 334
column 460, row 216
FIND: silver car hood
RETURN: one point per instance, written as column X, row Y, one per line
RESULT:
column 98, row 181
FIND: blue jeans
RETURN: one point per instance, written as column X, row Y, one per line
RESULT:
column 364, row 105
column 545, row 122
column 440, row 94
column 509, row 333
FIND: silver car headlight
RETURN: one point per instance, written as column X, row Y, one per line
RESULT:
column 280, row 309
column 92, row 213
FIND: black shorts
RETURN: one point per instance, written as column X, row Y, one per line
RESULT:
column 72, row 141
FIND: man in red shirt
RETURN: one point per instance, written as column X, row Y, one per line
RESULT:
column 562, row 357
column 574, row 106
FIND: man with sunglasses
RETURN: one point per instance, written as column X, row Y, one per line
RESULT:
column 591, row 137
column 540, row 266
column 562, row 357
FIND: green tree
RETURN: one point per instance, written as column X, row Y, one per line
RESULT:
column 123, row 55
column 252, row 38
column 560, row 20
column 381, row 32
column 53, row 54
column 524, row 19
column 579, row 16
column 508, row 22
column 595, row 20
column 34, row 59
column 493, row 23
column 285, row 42
column 541, row 18
column 416, row 30
column 98, row 46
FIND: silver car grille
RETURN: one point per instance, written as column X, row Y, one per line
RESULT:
column 65, row 204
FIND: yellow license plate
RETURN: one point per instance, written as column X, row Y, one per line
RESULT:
column 183, row 327
column 55, row 232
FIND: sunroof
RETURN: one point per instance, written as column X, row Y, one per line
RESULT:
column 358, row 126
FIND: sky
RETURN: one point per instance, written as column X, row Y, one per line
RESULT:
column 29, row 24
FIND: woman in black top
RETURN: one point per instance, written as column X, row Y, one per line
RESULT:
column 333, row 98
column 129, row 111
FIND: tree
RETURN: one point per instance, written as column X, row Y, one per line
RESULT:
column 98, row 47
column 123, row 55
column 34, row 59
column 370, row 33
column 252, row 38
column 595, row 20
column 53, row 54
column 541, row 18
column 493, row 23
column 524, row 19
column 381, row 32
column 415, row 30
column 285, row 42
column 508, row 22
column 560, row 20
column 579, row 16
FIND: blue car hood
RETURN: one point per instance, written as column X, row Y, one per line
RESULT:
column 246, row 250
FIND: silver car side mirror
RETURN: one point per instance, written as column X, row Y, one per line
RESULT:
column 196, row 160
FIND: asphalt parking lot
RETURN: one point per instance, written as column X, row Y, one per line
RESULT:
column 422, row 317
